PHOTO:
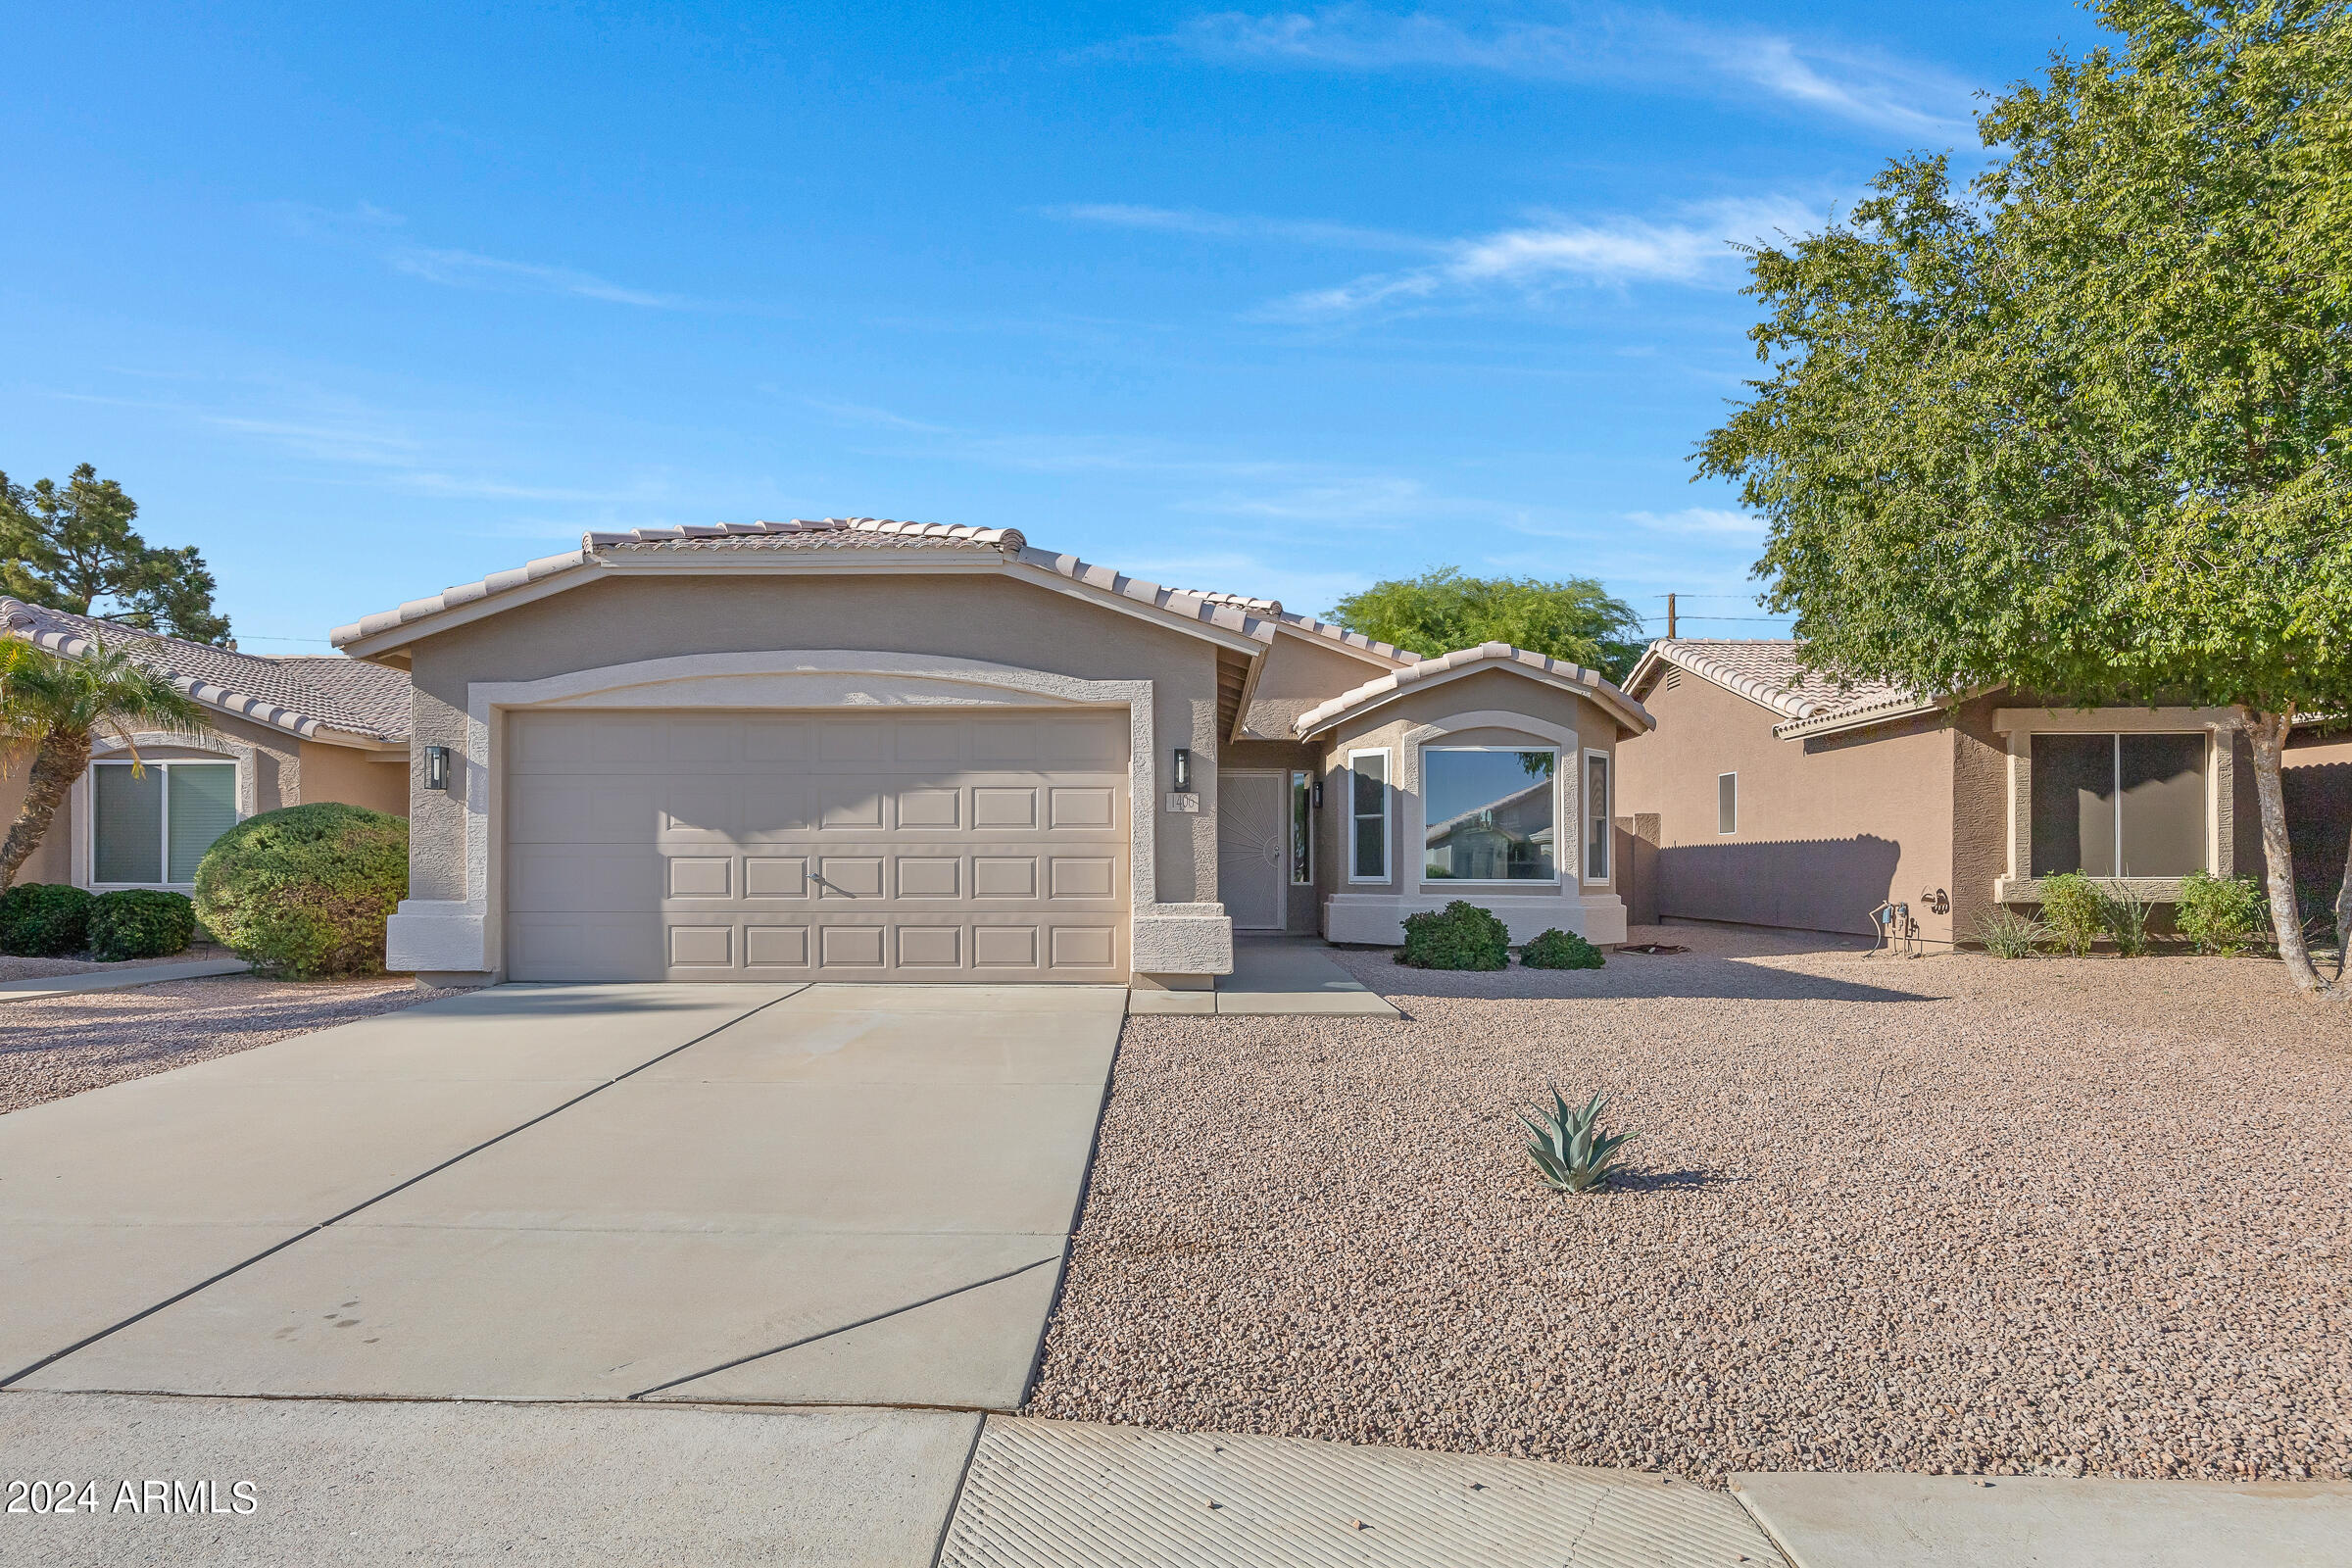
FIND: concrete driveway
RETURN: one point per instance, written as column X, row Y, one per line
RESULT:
column 806, row 1194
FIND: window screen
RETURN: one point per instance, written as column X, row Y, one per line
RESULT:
column 201, row 804
column 1597, row 819
column 1490, row 814
column 1303, row 830
column 1368, row 813
column 126, row 823
column 1727, row 802
column 2162, row 802
column 2119, row 805
column 2074, row 805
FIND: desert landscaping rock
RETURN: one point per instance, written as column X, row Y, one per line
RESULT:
column 49, row 1049
column 1953, row 1215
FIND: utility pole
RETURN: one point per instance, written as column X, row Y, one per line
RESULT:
column 1670, row 617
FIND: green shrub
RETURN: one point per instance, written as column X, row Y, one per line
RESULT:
column 2127, row 915
column 140, row 923
column 2075, row 912
column 1569, row 1149
column 1557, row 948
column 2223, row 915
column 1460, row 936
column 43, row 919
column 306, row 891
column 2009, row 934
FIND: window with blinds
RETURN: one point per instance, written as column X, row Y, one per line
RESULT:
column 151, row 825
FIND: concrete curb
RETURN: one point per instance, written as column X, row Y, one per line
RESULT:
column 43, row 987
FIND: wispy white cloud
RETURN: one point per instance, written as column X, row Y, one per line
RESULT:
column 369, row 228
column 1225, row 226
column 1864, row 85
column 456, row 268
column 1696, row 248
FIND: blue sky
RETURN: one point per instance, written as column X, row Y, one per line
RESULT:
column 1272, row 302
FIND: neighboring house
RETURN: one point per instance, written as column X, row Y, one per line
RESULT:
column 1772, row 796
column 282, row 731
column 860, row 750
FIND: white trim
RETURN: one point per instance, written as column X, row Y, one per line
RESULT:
column 1559, row 862
column 1733, row 831
column 85, row 856
column 1388, row 786
column 465, row 934
column 1608, row 875
column 81, row 857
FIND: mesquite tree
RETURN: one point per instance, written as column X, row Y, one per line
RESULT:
column 2080, row 427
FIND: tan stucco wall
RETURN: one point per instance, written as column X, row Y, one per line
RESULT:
column 354, row 778
column 1302, row 672
column 1827, row 828
column 1488, row 691
column 955, row 616
column 1979, row 785
column 50, row 862
column 2315, row 776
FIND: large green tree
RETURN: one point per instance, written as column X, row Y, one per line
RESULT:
column 1440, row 611
column 72, row 547
column 2080, row 427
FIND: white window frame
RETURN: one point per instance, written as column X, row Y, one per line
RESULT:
column 1585, row 805
column 1558, row 871
column 1301, row 782
column 162, row 766
column 1733, row 831
column 1388, row 790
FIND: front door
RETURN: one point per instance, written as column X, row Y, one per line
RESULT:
column 1251, row 857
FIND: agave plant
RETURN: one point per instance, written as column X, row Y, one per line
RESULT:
column 1569, row 1149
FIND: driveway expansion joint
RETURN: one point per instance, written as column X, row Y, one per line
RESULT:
column 306, row 1233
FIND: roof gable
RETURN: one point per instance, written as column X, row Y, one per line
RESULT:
column 1586, row 683
column 1772, row 673
column 835, row 542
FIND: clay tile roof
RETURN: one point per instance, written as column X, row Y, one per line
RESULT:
column 1272, row 608
column 817, row 533
column 1769, row 672
column 1501, row 656
column 809, row 533
column 302, row 694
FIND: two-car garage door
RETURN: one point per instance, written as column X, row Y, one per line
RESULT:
column 981, row 847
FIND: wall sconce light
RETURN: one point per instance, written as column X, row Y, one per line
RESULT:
column 436, row 767
column 1180, row 776
column 1315, row 796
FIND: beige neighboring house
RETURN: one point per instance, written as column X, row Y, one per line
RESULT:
column 282, row 731
column 1771, row 795
column 851, row 749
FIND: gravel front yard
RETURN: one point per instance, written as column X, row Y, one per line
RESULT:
column 49, row 1049
column 1952, row 1214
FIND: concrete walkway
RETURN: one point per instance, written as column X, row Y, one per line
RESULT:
column 137, row 974
column 1910, row 1521
column 855, row 1195
column 1273, row 977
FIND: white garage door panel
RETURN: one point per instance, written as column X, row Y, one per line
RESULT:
column 754, row 846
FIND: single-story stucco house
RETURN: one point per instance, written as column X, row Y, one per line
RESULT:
column 280, row 731
column 863, row 750
column 1769, row 795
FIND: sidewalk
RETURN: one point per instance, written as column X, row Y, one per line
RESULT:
column 1272, row 977
column 362, row 1482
